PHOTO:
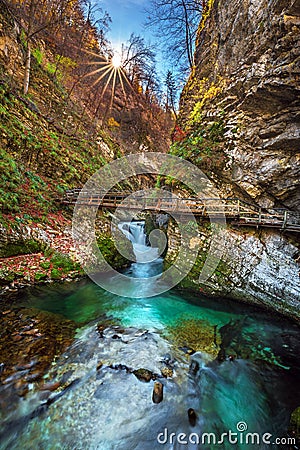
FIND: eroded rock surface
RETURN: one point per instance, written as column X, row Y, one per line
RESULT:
column 239, row 122
column 246, row 77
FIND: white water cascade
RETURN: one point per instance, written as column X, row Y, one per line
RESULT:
column 135, row 232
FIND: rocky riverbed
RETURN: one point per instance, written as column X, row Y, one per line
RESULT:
column 205, row 358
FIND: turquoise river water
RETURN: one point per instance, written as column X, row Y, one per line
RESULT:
column 243, row 402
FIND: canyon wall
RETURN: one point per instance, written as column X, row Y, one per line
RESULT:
column 245, row 85
column 239, row 123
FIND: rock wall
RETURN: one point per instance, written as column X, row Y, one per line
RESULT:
column 239, row 122
column 257, row 268
column 246, row 81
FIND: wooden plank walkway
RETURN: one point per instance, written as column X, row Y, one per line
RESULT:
column 238, row 212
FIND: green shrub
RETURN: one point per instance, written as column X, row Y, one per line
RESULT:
column 38, row 55
column 56, row 274
column 40, row 276
column 6, row 276
column 21, row 248
column 60, row 261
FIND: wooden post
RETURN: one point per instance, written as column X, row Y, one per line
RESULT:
column 259, row 216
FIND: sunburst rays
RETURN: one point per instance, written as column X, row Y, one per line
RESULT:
column 111, row 71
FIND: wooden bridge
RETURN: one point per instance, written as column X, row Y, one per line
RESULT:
column 236, row 211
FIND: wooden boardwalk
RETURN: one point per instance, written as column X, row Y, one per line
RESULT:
column 236, row 211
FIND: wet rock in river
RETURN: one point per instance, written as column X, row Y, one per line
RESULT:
column 168, row 360
column 221, row 355
column 50, row 386
column 33, row 377
column 107, row 323
column 28, row 366
column 187, row 350
column 167, row 372
column 17, row 338
column 122, row 367
column 144, row 375
column 157, row 394
column 21, row 388
column 99, row 365
column 192, row 417
column 294, row 426
column 29, row 341
column 194, row 367
column 194, row 335
column 65, row 376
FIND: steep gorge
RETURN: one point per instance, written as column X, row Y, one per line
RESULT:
column 239, row 122
column 245, row 86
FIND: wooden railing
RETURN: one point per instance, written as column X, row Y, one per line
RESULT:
column 237, row 211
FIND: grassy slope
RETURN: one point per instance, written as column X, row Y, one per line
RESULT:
column 42, row 155
column 48, row 143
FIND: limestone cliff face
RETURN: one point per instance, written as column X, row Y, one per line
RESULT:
column 255, row 267
column 239, row 120
column 246, row 81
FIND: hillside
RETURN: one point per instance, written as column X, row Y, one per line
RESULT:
column 51, row 139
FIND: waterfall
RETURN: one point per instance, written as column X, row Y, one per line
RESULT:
column 135, row 232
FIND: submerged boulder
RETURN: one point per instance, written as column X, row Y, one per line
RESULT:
column 144, row 375
column 157, row 395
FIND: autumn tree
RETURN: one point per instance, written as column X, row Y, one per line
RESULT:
column 83, row 40
column 34, row 17
column 152, row 86
column 175, row 23
column 171, row 93
column 138, row 59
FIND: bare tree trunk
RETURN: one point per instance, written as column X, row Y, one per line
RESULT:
column 188, row 42
column 27, row 68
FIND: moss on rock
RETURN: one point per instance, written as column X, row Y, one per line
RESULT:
column 63, row 263
column 40, row 276
column 294, row 427
column 56, row 274
column 21, row 248
column 113, row 255
column 196, row 334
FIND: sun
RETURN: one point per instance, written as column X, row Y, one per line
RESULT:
column 111, row 69
column 116, row 61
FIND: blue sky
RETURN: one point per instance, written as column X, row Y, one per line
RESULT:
column 127, row 17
